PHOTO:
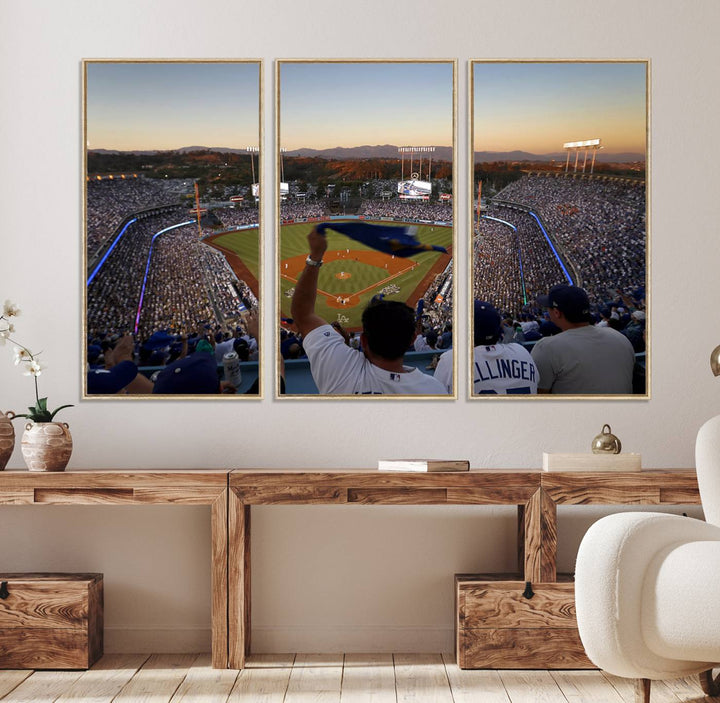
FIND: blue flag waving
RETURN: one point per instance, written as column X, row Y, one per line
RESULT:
column 399, row 241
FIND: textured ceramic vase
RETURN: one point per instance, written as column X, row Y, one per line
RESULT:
column 46, row 446
column 7, row 437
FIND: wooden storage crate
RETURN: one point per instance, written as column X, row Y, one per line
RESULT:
column 497, row 627
column 50, row 621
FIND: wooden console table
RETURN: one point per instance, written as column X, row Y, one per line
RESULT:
column 537, row 495
column 200, row 487
column 231, row 495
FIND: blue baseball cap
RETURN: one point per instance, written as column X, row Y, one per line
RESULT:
column 194, row 375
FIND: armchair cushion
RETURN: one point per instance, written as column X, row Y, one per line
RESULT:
column 625, row 587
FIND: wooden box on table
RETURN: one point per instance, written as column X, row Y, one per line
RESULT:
column 50, row 621
column 503, row 622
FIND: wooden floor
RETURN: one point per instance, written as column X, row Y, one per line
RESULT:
column 350, row 678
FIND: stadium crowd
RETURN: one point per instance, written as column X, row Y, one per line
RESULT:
column 110, row 201
column 293, row 210
column 599, row 224
column 408, row 210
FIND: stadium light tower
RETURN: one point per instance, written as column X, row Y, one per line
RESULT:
column 587, row 145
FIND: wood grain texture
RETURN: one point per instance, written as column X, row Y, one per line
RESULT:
column 491, row 495
column 642, row 690
column 238, row 581
column 421, row 677
column 315, row 677
column 51, row 621
column 17, row 497
column 653, row 487
column 47, row 648
column 474, row 686
column 41, row 686
column 203, row 684
column 10, row 680
column 478, row 478
column 219, row 580
column 46, row 603
column 540, row 538
column 522, row 648
column 391, row 496
column 157, row 681
column 89, row 479
column 368, row 678
column 264, row 679
column 288, row 495
column 83, row 496
column 502, row 605
column 627, row 689
column 585, row 687
column 531, row 687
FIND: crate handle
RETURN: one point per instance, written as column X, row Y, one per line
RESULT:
column 528, row 592
column 3, row 590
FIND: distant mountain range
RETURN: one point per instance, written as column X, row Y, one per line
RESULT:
column 602, row 156
column 390, row 151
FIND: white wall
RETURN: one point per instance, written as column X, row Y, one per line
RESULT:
column 362, row 578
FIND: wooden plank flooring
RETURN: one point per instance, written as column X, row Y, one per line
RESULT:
column 323, row 678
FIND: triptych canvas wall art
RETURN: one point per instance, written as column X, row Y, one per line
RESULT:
column 363, row 229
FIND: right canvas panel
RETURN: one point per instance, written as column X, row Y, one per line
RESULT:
column 559, row 247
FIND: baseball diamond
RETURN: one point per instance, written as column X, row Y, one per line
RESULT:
column 369, row 271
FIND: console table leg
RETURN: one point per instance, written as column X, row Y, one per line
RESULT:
column 238, row 582
column 219, row 582
column 537, row 539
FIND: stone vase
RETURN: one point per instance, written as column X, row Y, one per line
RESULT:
column 46, row 446
column 7, row 437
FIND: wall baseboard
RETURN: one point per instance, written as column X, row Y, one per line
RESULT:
column 150, row 640
column 275, row 640
column 352, row 638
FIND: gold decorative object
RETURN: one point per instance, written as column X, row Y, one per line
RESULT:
column 715, row 361
column 46, row 446
column 7, row 437
column 606, row 442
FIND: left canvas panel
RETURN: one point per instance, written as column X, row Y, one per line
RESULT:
column 172, row 245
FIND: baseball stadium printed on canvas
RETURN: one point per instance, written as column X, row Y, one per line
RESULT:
column 559, row 245
column 365, row 240
column 172, row 248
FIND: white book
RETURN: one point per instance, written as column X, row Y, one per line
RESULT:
column 423, row 465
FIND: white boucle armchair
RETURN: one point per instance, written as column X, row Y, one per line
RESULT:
column 647, row 586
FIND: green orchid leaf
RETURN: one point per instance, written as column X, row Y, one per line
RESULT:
column 55, row 412
column 42, row 404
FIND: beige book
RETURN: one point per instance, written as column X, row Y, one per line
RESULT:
column 591, row 462
column 423, row 465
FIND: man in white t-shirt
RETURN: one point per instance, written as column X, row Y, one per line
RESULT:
column 498, row 369
column 377, row 368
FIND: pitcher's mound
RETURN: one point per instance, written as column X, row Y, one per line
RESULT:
column 343, row 275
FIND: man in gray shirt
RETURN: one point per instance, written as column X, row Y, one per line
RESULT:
column 582, row 359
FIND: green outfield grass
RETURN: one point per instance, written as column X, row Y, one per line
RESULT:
column 293, row 242
column 246, row 244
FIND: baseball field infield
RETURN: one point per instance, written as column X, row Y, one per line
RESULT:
column 353, row 273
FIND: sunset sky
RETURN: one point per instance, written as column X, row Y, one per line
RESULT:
column 536, row 106
column 325, row 105
column 149, row 106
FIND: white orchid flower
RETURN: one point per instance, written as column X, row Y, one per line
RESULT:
column 22, row 355
column 33, row 368
column 10, row 309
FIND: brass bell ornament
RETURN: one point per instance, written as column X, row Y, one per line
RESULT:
column 606, row 442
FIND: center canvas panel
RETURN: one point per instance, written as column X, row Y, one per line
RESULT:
column 366, row 210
